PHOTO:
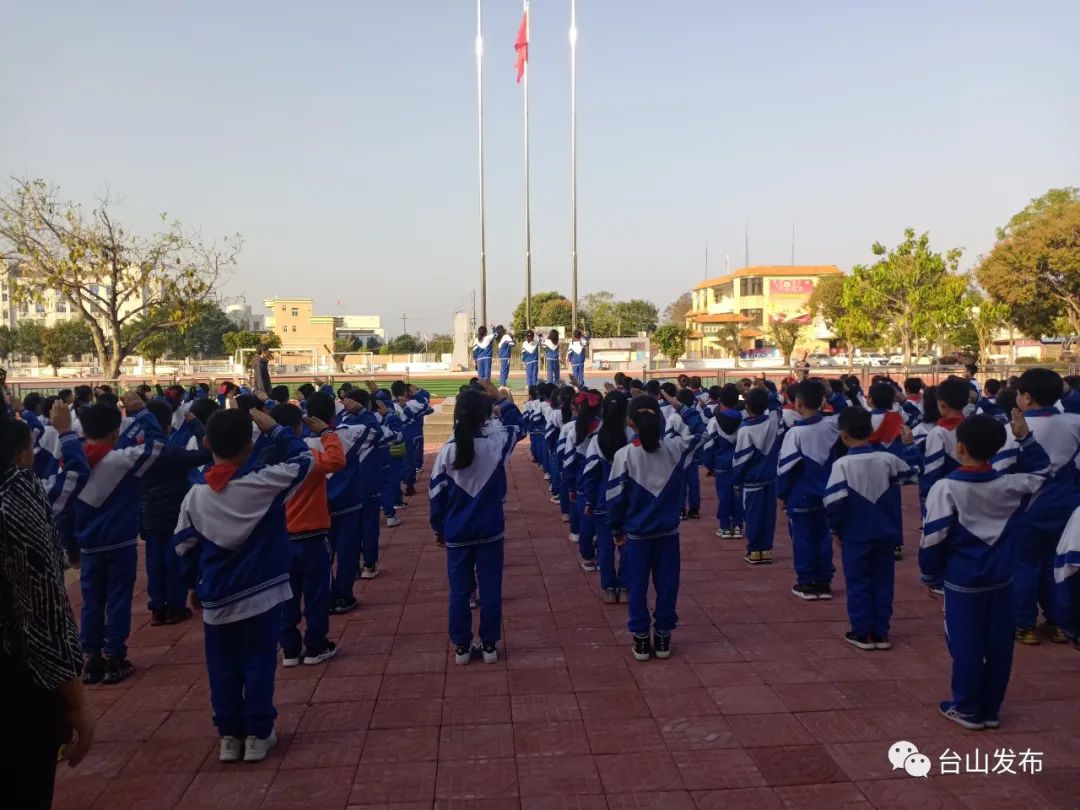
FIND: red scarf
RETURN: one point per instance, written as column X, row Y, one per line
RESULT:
column 889, row 429
column 96, row 452
column 219, row 475
column 949, row 422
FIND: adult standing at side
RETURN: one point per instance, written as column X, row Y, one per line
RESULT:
column 262, row 370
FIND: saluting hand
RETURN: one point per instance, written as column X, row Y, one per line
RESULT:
column 1019, row 424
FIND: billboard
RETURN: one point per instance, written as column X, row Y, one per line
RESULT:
column 790, row 286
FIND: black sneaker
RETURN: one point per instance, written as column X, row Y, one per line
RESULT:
column 862, row 642
column 881, row 642
column 823, row 590
column 343, row 606
column 642, row 648
column 662, row 645
column 158, row 618
column 117, row 670
column 694, row 514
column 898, row 553
column 807, row 592
column 93, row 670
column 325, row 653
column 683, row 515
column 410, row 491
column 177, row 616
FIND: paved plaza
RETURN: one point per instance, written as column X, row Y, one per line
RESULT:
column 761, row 706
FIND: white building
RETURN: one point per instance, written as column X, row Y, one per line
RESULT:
column 245, row 318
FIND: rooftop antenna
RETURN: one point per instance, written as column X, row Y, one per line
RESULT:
column 706, row 260
column 793, row 244
column 746, row 240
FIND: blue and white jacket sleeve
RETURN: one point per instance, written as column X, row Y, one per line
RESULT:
column 593, row 474
column 66, row 483
column 616, row 492
column 788, row 467
column 938, row 527
column 708, row 448
column 439, row 490
column 745, row 451
column 933, row 464
column 1067, row 556
column 1031, row 457
column 836, row 494
column 513, row 425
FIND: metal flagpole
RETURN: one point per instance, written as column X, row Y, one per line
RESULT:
column 573, row 165
column 528, row 215
column 480, row 122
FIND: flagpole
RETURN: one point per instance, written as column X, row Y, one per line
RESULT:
column 480, row 129
column 573, row 165
column 528, row 215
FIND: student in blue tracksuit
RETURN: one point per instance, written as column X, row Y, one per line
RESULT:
column 719, row 453
column 584, row 427
column 1066, row 581
column 692, row 503
column 575, row 357
column 106, row 526
column 232, row 526
column 569, row 410
column 974, row 519
column 939, row 458
column 530, row 358
column 912, row 404
column 534, row 423
column 392, row 454
column 1058, row 434
column 644, row 501
column 70, row 476
column 987, row 402
column 806, row 458
column 552, row 413
column 862, row 498
column 467, row 490
column 613, row 435
column 551, row 356
column 505, row 342
column 424, row 398
column 482, row 353
column 412, row 407
column 753, row 472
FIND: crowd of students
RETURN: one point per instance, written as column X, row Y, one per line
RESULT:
column 270, row 509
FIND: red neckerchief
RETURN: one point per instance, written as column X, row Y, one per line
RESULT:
column 949, row 422
column 219, row 475
column 889, row 429
column 977, row 468
column 914, row 397
column 96, row 452
column 789, row 406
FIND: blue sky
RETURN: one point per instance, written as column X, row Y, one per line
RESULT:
column 340, row 137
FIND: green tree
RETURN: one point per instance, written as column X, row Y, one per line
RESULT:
column 202, row 337
column 65, row 340
column 988, row 318
column 827, row 302
column 6, row 342
column 343, row 347
column 373, row 343
column 901, row 287
column 538, row 301
column 729, row 337
column 675, row 312
column 597, row 314
column 153, row 347
column 28, row 338
column 557, row 313
column 111, row 276
column 406, row 344
column 785, row 336
column 1035, row 265
column 635, row 316
column 233, row 342
column 440, row 344
column 671, row 341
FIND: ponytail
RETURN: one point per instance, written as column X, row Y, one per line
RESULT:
column 470, row 413
column 612, row 434
column 646, row 416
column 566, row 400
column 588, row 403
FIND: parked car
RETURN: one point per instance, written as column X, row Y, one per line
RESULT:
column 817, row 360
column 872, row 360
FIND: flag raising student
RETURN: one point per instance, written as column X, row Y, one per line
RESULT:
column 505, row 342
column 973, row 521
column 753, row 472
column 803, row 469
column 530, row 358
column 719, row 453
column 482, row 352
column 551, row 356
column 612, row 436
column 862, row 499
column 644, row 499
column 575, row 357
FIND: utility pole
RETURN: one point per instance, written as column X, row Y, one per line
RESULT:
column 472, row 326
column 404, row 331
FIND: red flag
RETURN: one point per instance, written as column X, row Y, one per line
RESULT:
column 522, row 46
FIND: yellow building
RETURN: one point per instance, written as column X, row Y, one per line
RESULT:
column 754, row 298
column 301, row 331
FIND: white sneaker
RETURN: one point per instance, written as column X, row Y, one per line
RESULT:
column 565, row 518
column 554, row 499
column 574, row 538
column 232, row 749
column 323, row 655
column 391, row 522
column 402, row 505
column 491, row 655
column 547, row 476
column 256, row 748
column 369, row 572
column 462, row 654
column 288, row 663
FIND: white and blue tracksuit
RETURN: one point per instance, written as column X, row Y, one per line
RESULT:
column 106, row 527
column 806, row 459
column 913, row 410
column 862, row 499
column 596, row 473
column 644, row 502
column 530, row 359
column 974, row 518
column 506, row 346
column 482, row 353
column 552, row 432
column 467, row 513
column 393, row 458
column 233, row 522
column 1067, row 583
column 566, row 506
column 534, row 418
column 70, row 476
column 49, row 453
column 573, row 471
column 412, row 413
column 719, row 454
column 1059, row 435
column 353, row 496
column 575, row 355
column 753, row 472
column 551, row 360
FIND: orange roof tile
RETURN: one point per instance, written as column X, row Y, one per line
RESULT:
column 722, row 317
column 772, row 270
column 751, row 333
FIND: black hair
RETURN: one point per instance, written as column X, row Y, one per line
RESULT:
column 837, row 386
column 287, row 414
column 955, row 393
column 15, row 438
column 500, row 330
column 635, row 383
column 620, row 378
column 930, row 414
column 1073, row 381
column 566, row 401
column 685, row 397
column 669, row 389
column 280, row 394
column 306, row 390
column 971, row 368
column 757, row 401
column 729, row 395
column 162, row 412
column 882, row 395
column 586, row 414
column 553, row 336
column 108, row 398
column 47, row 404
column 577, row 334
column 398, row 389
column 544, row 390
column 203, row 409
column 143, row 390
column 1006, row 400
column 321, row 406
column 64, row 393
column 983, row 436
column 345, row 388
column 205, row 387
column 358, row 395
column 32, row 402
column 645, row 413
column 83, row 394
column 228, row 433
column 652, row 388
column 470, row 414
column 99, row 420
column 534, row 392
column 812, row 394
column 992, row 387
column 913, row 385
column 695, row 382
column 791, row 391
column 714, row 392
column 855, row 422
column 248, row 403
column 481, row 333
column 612, row 434
column 530, row 334
column 1043, row 385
